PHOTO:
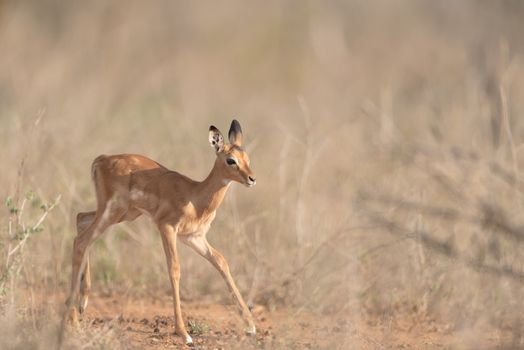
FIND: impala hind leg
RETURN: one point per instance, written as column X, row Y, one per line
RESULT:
column 173, row 266
column 83, row 220
column 202, row 247
column 103, row 218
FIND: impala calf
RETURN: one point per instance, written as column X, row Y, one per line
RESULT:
column 129, row 185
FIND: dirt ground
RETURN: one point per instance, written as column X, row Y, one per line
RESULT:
column 147, row 323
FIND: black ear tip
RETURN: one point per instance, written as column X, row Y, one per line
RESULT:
column 235, row 125
column 213, row 128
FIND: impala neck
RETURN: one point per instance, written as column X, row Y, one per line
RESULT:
column 212, row 190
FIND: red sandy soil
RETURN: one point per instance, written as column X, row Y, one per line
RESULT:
column 147, row 323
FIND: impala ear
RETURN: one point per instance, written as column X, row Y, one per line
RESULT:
column 216, row 139
column 235, row 133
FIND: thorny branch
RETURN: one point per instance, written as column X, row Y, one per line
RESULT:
column 447, row 249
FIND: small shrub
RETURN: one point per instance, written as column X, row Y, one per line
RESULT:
column 197, row 328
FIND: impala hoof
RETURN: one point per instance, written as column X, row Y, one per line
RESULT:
column 72, row 318
column 83, row 305
column 251, row 330
column 189, row 340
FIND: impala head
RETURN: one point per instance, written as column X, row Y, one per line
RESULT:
column 231, row 157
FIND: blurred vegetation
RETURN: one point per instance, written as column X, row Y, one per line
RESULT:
column 387, row 139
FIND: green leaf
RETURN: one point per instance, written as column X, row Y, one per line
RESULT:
column 30, row 195
column 36, row 202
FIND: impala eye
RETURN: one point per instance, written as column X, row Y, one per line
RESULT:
column 231, row 161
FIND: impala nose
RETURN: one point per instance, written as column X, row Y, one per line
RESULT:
column 251, row 180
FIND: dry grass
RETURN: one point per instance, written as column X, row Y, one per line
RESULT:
column 387, row 139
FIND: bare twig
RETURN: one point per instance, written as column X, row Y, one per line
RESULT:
column 509, row 134
column 445, row 248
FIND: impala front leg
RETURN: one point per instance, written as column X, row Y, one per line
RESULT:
column 173, row 266
column 202, row 247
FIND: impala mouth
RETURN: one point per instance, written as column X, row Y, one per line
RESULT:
column 251, row 181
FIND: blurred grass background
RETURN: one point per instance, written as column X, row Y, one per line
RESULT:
column 367, row 124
